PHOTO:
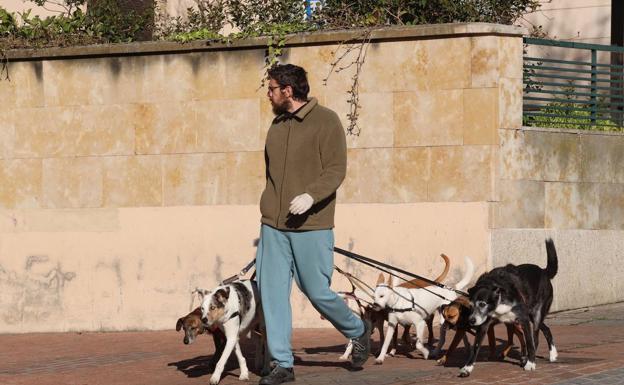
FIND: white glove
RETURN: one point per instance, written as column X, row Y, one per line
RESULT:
column 301, row 203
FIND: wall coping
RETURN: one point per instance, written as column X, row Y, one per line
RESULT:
column 573, row 131
column 430, row 31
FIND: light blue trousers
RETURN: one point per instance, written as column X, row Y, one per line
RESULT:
column 308, row 256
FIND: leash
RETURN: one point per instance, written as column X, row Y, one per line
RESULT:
column 384, row 267
column 238, row 276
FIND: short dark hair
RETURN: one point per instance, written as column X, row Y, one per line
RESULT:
column 293, row 76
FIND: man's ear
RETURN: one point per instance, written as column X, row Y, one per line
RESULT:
column 287, row 91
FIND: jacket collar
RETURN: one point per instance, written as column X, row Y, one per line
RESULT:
column 305, row 109
column 301, row 113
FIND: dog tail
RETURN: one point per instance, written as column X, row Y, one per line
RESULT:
column 552, row 265
column 467, row 274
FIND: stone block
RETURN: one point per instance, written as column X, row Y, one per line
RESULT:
column 480, row 116
column 245, row 177
column 167, row 77
column 7, row 134
column 74, row 131
column 572, row 205
column 131, row 181
column 611, row 215
column 72, row 182
column 602, row 158
column 520, row 158
column 195, row 179
column 510, row 103
column 461, row 173
column 375, row 119
column 167, row 128
column 510, row 57
column 24, row 88
column 561, row 155
column 20, row 183
column 484, row 61
column 428, row 118
column 228, row 125
column 520, row 205
column 411, row 168
column 368, row 177
column 417, row 65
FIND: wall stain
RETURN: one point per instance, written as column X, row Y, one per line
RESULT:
column 34, row 294
column 217, row 268
column 115, row 266
column 140, row 270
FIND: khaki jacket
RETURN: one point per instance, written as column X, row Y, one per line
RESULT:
column 304, row 153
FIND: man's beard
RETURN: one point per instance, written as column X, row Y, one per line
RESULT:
column 279, row 109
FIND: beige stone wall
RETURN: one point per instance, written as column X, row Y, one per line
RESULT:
column 130, row 174
column 568, row 185
column 560, row 179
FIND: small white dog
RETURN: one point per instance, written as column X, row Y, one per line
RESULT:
column 235, row 309
column 413, row 306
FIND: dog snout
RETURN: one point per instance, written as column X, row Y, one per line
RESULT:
column 472, row 320
column 186, row 341
column 204, row 320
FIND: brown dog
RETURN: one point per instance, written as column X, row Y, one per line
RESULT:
column 192, row 325
column 456, row 315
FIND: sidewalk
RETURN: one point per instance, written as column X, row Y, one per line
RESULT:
column 590, row 344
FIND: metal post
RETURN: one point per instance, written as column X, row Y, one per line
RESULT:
column 594, row 91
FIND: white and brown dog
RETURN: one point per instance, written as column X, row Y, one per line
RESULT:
column 379, row 317
column 235, row 309
column 413, row 306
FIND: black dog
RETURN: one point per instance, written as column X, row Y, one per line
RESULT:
column 514, row 295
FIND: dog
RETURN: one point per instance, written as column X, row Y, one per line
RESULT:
column 379, row 317
column 514, row 294
column 413, row 306
column 192, row 325
column 235, row 309
column 456, row 315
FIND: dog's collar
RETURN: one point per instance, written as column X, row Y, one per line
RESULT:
column 235, row 314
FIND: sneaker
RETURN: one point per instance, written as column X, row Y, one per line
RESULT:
column 278, row 375
column 361, row 346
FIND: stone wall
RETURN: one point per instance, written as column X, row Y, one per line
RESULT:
column 567, row 184
column 131, row 174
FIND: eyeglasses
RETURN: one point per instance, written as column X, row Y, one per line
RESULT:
column 272, row 88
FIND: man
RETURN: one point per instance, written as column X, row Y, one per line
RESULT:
column 306, row 160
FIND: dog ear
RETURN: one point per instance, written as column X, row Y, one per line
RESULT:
column 201, row 293
column 222, row 295
column 380, row 279
column 179, row 324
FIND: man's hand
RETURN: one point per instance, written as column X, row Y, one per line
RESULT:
column 301, row 203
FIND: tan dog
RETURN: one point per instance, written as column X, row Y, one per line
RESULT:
column 456, row 314
column 192, row 325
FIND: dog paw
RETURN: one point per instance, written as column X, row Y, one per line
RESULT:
column 392, row 352
column 244, row 376
column 343, row 358
column 552, row 357
column 466, row 370
column 441, row 361
column 524, row 360
column 214, row 380
column 425, row 353
column 529, row 366
column 379, row 361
